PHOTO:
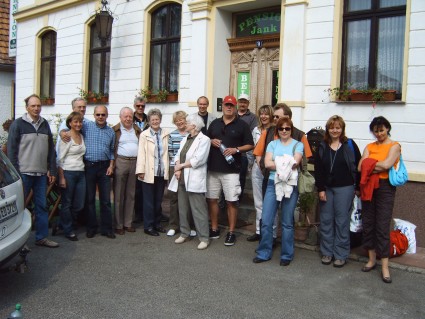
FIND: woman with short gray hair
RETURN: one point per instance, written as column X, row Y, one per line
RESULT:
column 190, row 179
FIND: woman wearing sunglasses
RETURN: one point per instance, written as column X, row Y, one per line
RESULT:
column 283, row 156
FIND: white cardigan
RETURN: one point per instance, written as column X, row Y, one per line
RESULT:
column 195, row 177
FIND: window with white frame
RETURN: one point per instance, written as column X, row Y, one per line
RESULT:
column 48, row 65
column 373, row 44
column 165, row 48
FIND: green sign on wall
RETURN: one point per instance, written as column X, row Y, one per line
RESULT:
column 243, row 83
column 257, row 23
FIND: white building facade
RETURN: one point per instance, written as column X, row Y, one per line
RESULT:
column 289, row 51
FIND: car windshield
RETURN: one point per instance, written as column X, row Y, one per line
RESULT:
column 8, row 174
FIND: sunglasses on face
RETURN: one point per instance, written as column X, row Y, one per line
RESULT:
column 140, row 106
column 100, row 114
column 276, row 116
column 287, row 129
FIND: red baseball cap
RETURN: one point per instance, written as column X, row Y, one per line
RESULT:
column 230, row 100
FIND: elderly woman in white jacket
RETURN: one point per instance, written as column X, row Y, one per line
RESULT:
column 190, row 177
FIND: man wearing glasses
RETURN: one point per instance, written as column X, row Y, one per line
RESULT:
column 141, row 120
column 99, row 165
column 234, row 137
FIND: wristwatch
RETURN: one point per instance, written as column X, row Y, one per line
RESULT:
column 237, row 150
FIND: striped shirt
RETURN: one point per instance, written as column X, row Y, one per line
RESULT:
column 174, row 145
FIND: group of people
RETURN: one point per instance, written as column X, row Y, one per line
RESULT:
column 204, row 159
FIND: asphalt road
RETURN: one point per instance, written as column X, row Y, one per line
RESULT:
column 138, row 276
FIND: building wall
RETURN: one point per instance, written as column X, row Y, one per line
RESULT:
column 310, row 44
column 6, row 107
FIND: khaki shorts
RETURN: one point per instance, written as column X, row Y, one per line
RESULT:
column 229, row 183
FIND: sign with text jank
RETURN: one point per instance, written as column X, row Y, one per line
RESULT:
column 258, row 23
column 243, row 83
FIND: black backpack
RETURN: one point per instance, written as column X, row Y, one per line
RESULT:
column 314, row 137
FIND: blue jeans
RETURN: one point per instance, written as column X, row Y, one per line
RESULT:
column 335, row 215
column 96, row 175
column 287, row 208
column 72, row 200
column 38, row 184
column 152, row 200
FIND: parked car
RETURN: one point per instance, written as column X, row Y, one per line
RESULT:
column 15, row 219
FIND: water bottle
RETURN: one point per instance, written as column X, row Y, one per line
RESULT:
column 229, row 158
column 17, row 313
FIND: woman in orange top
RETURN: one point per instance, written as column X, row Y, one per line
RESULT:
column 377, row 213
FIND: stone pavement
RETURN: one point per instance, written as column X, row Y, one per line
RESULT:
column 246, row 225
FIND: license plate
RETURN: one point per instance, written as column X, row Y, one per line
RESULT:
column 8, row 211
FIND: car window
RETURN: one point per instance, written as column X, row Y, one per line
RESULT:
column 8, row 174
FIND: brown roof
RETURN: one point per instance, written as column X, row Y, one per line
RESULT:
column 4, row 33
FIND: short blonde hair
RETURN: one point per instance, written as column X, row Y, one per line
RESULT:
column 179, row 115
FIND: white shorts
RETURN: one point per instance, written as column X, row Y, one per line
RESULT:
column 229, row 183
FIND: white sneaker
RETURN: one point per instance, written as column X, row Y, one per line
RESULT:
column 180, row 240
column 203, row 245
column 192, row 233
column 171, row 232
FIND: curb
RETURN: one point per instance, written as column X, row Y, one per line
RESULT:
column 352, row 256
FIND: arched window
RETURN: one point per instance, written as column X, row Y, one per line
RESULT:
column 99, row 61
column 48, row 65
column 165, row 48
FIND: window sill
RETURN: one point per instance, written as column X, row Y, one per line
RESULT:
column 103, row 100
column 47, row 101
column 397, row 102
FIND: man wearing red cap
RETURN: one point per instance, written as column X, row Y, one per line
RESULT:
column 230, row 136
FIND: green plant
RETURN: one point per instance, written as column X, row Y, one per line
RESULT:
column 341, row 93
column 161, row 95
column 146, row 92
column 306, row 203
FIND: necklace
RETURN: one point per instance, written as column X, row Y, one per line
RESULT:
column 333, row 159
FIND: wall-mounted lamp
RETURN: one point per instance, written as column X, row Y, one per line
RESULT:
column 104, row 20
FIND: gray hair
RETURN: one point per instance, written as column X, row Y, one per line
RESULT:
column 156, row 112
column 196, row 120
column 79, row 98
column 125, row 108
column 139, row 99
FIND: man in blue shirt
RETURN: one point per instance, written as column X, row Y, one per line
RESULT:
column 99, row 162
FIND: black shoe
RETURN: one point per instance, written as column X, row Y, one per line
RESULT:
column 160, row 229
column 285, row 262
column 110, row 235
column 90, row 233
column 72, row 237
column 214, row 234
column 230, row 239
column 151, row 232
column 387, row 280
column 257, row 260
column 255, row 237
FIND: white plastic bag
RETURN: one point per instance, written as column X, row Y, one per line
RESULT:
column 356, row 224
column 408, row 229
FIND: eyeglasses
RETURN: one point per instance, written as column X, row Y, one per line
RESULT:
column 100, row 114
column 287, row 129
column 140, row 105
column 276, row 116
